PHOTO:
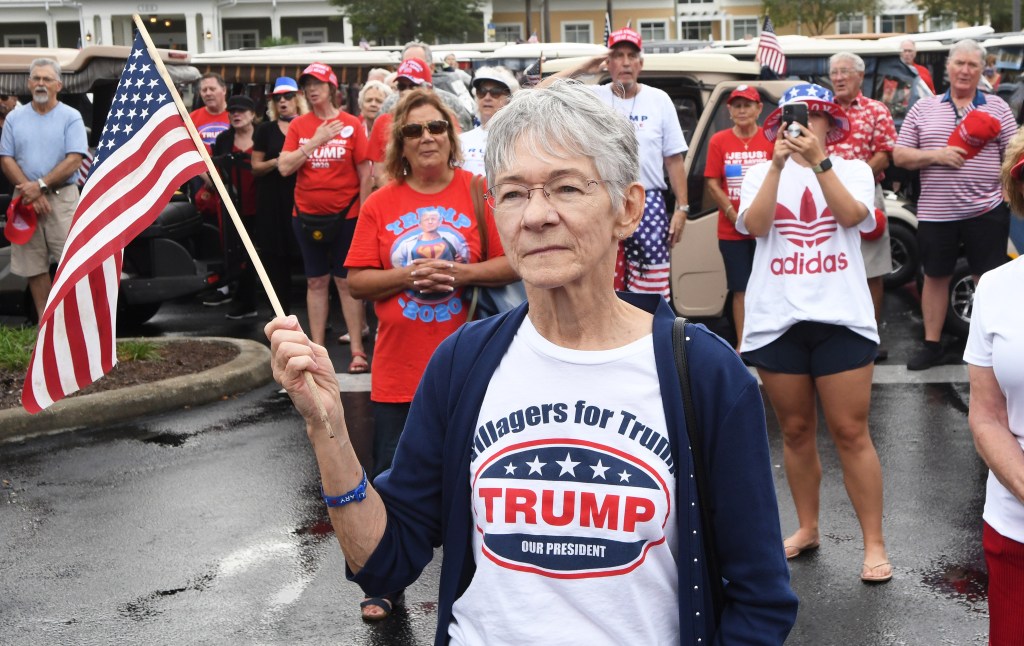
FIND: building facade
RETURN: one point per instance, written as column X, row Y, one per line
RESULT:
column 194, row 25
column 213, row 25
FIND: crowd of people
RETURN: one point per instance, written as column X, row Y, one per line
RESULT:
column 574, row 483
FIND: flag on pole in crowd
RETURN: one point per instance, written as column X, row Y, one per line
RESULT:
column 145, row 153
column 607, row 28
column 769, row 51
column 629, row 24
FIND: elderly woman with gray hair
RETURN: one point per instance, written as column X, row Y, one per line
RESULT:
column 546, row 449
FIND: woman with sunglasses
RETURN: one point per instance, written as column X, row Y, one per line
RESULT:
column 416, row 249
column 546, row 448
column 494, row 86
column 326, row 150
column 275, row 194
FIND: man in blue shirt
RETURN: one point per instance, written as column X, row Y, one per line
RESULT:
column 41, row 150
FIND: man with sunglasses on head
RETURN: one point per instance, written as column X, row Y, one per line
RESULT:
column 644, row 257
column 41, row 150
column 494, row 87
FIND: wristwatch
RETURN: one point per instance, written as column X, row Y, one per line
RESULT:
column 685, row 208
column 43, row 187
column 826, row 164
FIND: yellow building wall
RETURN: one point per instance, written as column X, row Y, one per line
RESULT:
column 596, row 18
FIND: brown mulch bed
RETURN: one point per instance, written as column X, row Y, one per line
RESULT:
column 179, row 358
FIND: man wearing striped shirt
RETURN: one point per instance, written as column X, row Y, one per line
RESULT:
column 961, row 200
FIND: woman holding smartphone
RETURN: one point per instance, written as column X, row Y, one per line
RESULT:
column 810, row 326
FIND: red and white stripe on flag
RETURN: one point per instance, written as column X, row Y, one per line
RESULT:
column 769, row 51
column 144, row 154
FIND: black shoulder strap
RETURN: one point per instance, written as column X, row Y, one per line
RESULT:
column 693, row 430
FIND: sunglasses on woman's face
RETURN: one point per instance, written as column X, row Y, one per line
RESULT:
column 415, row 130
column 287, row 96
column 495, row 92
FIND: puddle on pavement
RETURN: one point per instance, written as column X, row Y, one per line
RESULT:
column 967, row 582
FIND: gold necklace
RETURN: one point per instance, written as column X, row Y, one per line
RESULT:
column 745, row 142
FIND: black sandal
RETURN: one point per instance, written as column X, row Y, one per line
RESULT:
column 387, row 603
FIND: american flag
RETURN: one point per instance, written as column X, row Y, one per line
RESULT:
column 607, row 28
column 769, row 52
column 145, row 153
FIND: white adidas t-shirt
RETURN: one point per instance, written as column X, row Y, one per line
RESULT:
column 807, row 268
column 573, row 502
column 996, row 340
column 474, row 144
column 654, row 116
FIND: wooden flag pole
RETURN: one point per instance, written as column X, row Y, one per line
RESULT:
column 228, row 204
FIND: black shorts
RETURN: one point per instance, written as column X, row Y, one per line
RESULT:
column 739, row 262
column 322, row 258
column 983, row 237
column 815, row 349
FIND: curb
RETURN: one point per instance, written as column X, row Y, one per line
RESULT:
column 250, row 369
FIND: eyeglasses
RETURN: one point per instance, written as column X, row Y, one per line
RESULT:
column 402, row 87
column 42, row 79
column 286, row 96
column 415, row 130
column 566, row 191
column 495, row 92
column 843, row 72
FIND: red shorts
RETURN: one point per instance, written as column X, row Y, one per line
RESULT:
column 1005, row 560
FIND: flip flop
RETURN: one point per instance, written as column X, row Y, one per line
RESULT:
column 345, row 338
column 793, row 551
column 868, row 575
column 385, row 603
column 359, row 364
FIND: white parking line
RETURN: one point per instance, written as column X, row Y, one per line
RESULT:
column 883, row 375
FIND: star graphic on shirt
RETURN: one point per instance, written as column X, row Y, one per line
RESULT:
column 510, row 469
column 536, row 466
column 599, row 470
column 568, row 466
column 624, row 477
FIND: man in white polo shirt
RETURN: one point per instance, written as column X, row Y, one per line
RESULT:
column 643, row 264
column 961, row 199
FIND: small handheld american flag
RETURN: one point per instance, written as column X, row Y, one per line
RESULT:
column 769, row 51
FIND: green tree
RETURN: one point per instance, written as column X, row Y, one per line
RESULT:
column 815, row 16
column 401, row 21
column 998, row 13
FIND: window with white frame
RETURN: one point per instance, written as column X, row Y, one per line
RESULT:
column 312, row 35
column 577, row 32
column 654, row 29
column 508, row 32
column 21, row 40
column 695, row 30
column 237, row 38
column 850, row 24
column 744, row 28
column 894, row 24
column 942, row 23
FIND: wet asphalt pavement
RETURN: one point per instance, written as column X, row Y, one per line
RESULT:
column 205, row 525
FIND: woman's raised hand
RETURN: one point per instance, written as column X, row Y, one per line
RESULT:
column 292, row 356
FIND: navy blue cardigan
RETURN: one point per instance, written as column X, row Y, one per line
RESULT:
column 427, row 492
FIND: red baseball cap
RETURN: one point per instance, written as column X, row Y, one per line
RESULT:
column 625, row 35
column 1017, row 168
column 744, row 92
column 415, row 70
column 320, row 72
column 21, row 221
column 974, row 132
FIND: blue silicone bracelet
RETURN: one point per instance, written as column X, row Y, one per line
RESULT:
column 357, row 494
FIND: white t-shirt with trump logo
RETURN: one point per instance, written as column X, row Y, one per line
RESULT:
column 573, row 502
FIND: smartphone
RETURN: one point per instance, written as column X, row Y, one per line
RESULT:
column 795, row 113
